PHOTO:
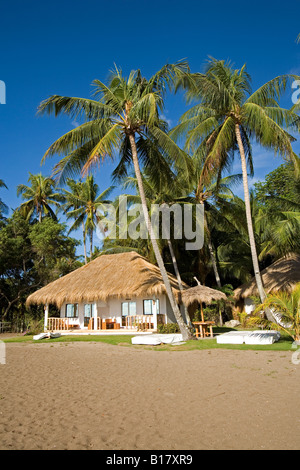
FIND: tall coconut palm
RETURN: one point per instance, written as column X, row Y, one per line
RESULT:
column 123, row 118
column 40, row 196
column 208, row 192
column 71, row 202
column 228, row 117
column 234, row 252
column 161, row 191
column 84, row 203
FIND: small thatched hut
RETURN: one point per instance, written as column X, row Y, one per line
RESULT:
column 201, row 294
column 117, row 287
column 282, row 275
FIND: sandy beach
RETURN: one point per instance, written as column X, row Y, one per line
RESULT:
column 97, row 396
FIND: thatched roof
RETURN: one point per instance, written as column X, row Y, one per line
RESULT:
column 201, row 294
column 282, row 275
column 123, row 275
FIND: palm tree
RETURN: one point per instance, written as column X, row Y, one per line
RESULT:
column 71, row 202
column 228, row 117
column 84, row 203
column 280, row 228
column 215, row 190
column 124, row 118
column 40, row 196
column 161, row 190
column 234, row 252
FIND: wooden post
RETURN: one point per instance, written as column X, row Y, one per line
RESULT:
column 95, row 314
column 46, row 310
column 154, row 312
column 202, row 315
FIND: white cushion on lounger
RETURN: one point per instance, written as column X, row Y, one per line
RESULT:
column 41, row 336
column 249, row 337
column 262, row 337
column 232, row 337
column 145, row 340
column 157, row 339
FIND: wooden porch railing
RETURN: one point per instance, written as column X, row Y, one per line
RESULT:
column 141, row 322
column 91, row 325
column 55, row 323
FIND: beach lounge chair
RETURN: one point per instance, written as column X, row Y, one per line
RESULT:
column 249, row 337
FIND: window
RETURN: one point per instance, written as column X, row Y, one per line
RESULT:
column 149, row 306
column 72, row 310
column 88, row 310
column 128, row 308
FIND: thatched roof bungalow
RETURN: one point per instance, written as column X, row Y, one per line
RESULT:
column 111, row 287
column 108, row 276
column 282, row 275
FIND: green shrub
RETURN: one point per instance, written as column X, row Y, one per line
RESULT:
column 168, row 328
column 35, row 326
column 243, row 318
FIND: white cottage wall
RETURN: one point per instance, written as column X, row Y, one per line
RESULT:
column 113, row 309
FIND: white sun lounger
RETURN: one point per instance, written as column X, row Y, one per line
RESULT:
column 249, row 337
column 154, row 340
column 232, row 337
column 46, row 335
column 262, row 337
column 41, row 336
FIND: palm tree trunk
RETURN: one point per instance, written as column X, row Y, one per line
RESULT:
column 84, row 244
column 214, row 263
column 258, row 278
column 183, row 327
column 212, row 254
column 91, row 244
column 39, row 210
column 174, row 261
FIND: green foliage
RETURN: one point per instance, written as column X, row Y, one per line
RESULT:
column 54, row 252
column 288, row 306
column 31, row 255
column 168, row 328
column 35, row 326
column 243, row 316
column 40, row 196
column 281, row 187
column 84, row 204
column 124, row 106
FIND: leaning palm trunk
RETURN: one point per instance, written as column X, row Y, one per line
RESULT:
column 183, row 327
column 177, row 273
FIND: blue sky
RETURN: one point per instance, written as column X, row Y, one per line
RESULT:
column 59, row 47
